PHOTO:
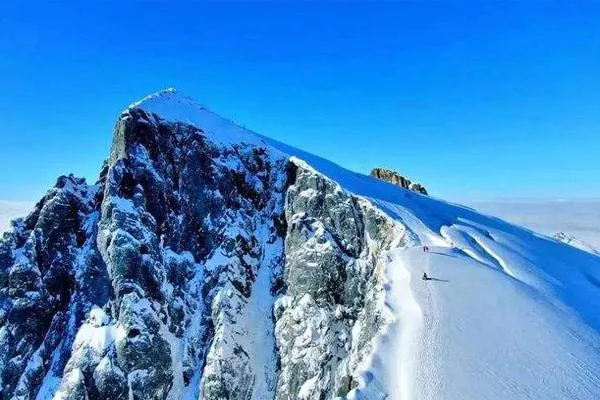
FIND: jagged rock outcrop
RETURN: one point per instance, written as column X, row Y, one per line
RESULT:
column 397, row 179
column 417, row 187
column 202, row 264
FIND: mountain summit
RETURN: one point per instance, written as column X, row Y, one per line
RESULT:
column 210, row 262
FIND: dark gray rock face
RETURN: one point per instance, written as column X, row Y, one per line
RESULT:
column 191, row 269
column 333, row 303
column 397, row 179
column 50, row 270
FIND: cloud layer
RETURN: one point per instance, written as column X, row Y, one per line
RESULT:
column 580, row 218
column 13, row 209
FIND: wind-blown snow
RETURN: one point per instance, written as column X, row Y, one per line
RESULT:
column 509, row 313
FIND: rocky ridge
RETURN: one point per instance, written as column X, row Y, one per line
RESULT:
column 397, row 179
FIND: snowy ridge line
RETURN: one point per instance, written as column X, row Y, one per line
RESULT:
column 572, row 240
column 170, row 105
column 410, row 318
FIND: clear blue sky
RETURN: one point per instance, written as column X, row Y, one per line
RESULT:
column 474, row 100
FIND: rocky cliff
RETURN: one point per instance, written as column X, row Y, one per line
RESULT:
column 203, row 263
column 397, row 179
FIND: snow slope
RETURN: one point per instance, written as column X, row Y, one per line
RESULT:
column 509, row 313
column 470, row 333
column 513, row 314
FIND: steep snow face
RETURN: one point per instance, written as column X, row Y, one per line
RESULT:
column 209, row 262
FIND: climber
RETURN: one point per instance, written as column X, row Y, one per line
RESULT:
column 425, row 249
column 425, row 277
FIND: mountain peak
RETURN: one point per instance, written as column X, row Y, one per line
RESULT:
column 168, row 101
column 173, row 106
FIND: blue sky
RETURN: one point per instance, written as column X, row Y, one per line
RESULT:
column 474, row 100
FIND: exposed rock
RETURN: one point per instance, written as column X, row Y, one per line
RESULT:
column 417, row 187
column 397, row 179
column 333, row 305
column 50, row 271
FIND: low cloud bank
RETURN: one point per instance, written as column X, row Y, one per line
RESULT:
column 580, row 218
column 10, row 210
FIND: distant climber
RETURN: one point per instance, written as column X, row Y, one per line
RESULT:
column 425, row 277
column 425, row 249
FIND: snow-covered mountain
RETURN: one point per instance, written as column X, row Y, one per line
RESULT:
column 209, row 262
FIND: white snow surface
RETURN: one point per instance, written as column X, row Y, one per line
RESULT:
column 509, row 314
column 170, row 105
